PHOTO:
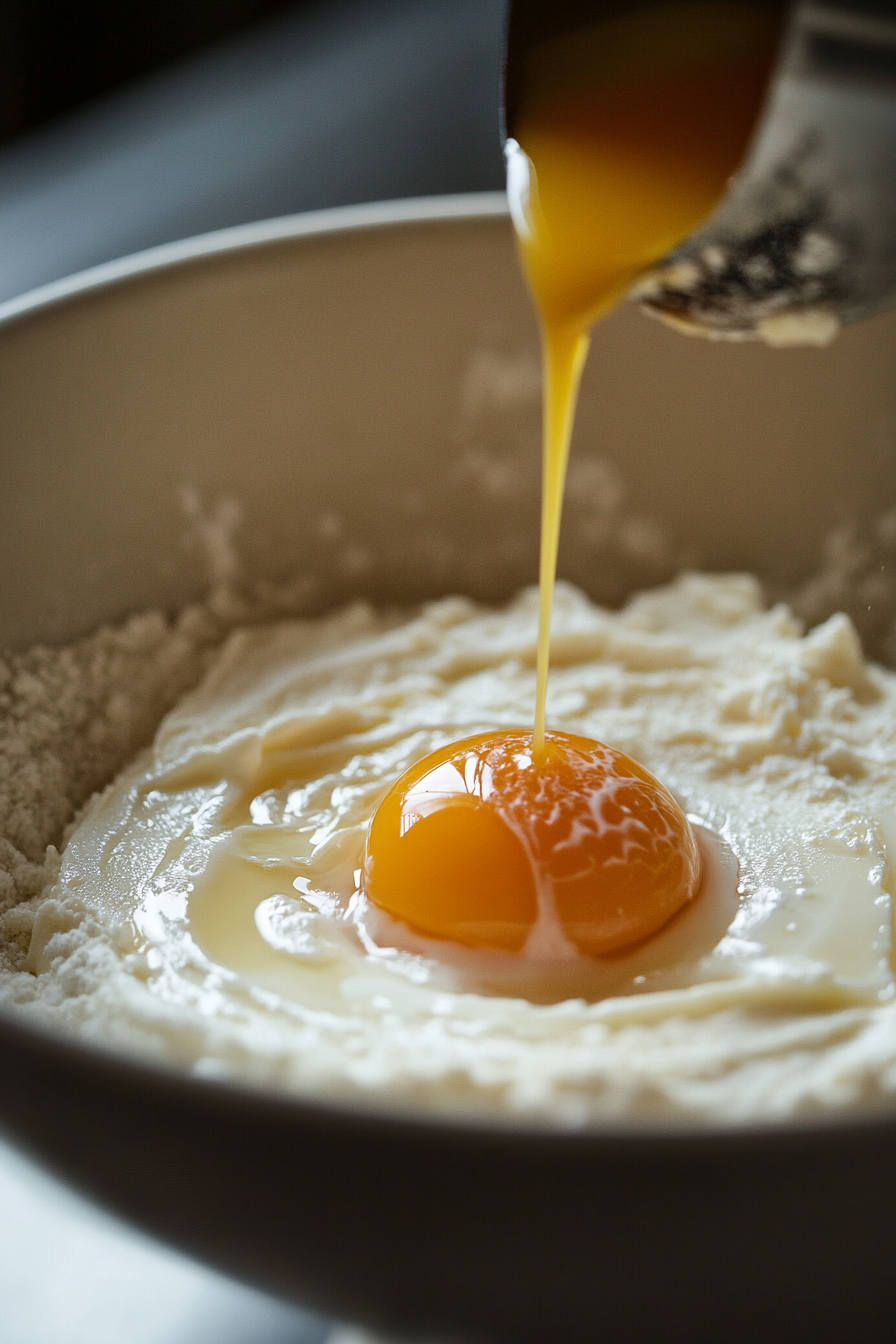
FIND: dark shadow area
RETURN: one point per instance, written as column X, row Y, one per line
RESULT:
column 331, row 102
column 56, row 55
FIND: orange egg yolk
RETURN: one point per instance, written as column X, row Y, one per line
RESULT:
column 481, row 845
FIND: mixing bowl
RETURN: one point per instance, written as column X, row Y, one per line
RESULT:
column 363, row 385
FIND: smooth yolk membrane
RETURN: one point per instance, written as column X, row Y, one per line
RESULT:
column 582, row 851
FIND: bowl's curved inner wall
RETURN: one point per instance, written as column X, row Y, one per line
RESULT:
column 370, row 400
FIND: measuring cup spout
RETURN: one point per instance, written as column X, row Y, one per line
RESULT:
column 804, row 239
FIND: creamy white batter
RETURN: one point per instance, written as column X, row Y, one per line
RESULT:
column 206, row 911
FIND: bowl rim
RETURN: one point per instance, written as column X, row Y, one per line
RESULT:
column 247, row 237
column 673, row 1136
column 681, row 1138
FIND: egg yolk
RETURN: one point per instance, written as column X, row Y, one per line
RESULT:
column 481, row 845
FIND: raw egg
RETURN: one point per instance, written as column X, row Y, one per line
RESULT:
column 578, row 851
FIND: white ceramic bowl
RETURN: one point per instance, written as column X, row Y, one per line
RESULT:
column 364, row 384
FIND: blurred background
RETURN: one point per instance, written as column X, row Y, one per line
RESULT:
column 130, row 123
column 57, row 56
column 124, row 125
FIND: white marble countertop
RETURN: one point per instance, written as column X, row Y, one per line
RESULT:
column 70, row 1274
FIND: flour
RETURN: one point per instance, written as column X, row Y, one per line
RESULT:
column 783, row 743
column 70, row 718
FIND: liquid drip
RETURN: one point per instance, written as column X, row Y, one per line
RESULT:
column 624, row 136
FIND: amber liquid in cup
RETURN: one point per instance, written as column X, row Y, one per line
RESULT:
column 626, row 134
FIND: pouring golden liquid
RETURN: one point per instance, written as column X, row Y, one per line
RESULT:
column 626, row 134
column 624, row 137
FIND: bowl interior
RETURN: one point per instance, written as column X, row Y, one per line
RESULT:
column 334, row 412
column 359, row 410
